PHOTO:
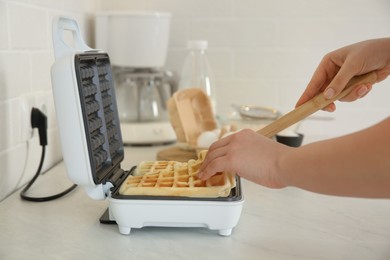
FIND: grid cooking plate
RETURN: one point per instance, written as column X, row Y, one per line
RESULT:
column 100, row 114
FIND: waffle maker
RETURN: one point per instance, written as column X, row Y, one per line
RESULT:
column 93, row 150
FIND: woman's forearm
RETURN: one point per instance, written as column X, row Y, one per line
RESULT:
column 354, row 165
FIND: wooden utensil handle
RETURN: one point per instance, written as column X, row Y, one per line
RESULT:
column 313, row 105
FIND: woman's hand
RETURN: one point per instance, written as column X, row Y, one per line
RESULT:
column 354, row 165
column 339, row 66
column 249, row 155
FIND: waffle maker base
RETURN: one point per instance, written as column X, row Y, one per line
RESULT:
column 221, row 214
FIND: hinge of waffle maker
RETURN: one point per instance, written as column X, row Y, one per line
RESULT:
column 112, row 181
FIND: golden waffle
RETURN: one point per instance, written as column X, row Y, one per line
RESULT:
column 171, row 178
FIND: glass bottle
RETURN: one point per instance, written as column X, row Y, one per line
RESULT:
column 197, row 72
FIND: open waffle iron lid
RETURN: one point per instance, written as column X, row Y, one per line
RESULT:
column 86, row 111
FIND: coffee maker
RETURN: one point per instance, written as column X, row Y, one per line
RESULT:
column 137, row 43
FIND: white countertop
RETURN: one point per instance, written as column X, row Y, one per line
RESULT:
column 275, row 224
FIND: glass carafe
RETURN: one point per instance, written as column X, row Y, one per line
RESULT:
column 142, row 95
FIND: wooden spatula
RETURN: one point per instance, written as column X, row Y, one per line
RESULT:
column 313, row 105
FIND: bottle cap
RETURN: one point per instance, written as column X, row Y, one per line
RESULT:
column 198, row 44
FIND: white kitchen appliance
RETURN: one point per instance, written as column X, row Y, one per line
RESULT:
column 138, row 44
column 92, row 145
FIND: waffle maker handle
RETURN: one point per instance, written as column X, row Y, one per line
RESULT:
column 61, row 47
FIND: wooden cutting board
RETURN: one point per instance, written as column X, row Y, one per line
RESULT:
column 176, row 154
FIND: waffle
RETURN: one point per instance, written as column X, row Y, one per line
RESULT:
column 171, row 178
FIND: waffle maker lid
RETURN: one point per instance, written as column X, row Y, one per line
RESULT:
column 92, row 123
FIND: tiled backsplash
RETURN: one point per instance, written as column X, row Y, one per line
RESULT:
column 26, row 55
column 264, row 50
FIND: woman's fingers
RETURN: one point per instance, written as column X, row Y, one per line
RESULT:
column 359, row 92
column 336, row 86
column 217, row 149
column 318, row 81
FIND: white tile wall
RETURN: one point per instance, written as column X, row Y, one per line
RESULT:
column 23, row 33
column 3, row 27
column 280, row 9
column 26, row 55
column 15, row 70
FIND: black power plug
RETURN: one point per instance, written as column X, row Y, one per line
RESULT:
column 39, row 120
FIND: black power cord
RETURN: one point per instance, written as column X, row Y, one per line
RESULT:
column 39, row 120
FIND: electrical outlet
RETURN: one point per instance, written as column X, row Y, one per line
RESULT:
column 40, row 100
column 27, row 103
